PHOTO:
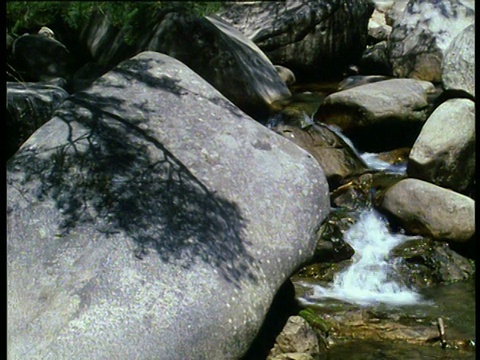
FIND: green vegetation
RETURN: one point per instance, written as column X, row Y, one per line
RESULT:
column 25, row 16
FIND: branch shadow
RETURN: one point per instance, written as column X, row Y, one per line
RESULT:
column 113, row 174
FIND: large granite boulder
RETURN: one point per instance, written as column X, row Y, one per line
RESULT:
column 40, row 58
column 444, row 152
column 379, row 116
column 215, row 50
column 458, row 66
column 430, row 210
column 152, row 219
column 29, row 106
column 313, row 38
column 421, row 36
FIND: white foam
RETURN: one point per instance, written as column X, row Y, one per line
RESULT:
column 370, row 279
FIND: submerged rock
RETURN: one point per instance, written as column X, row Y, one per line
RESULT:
column 135, row 229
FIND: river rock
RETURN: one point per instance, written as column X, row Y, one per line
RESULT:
column 313, row 38
column 427, row 263
column 337, row 158
column 430, row 210
column 379, row 116
column 151, row 218
column 29, row 106
column 212, row 48
column 444, row 152
column 458, row 66
column 40, row 58
column 297, row 341
column 420, row 38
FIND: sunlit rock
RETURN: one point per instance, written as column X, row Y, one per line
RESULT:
column 313, row 38
column 151, row 219
column 458, row 66
column 427, row 209
column 421, row 36
column 380, row 116
column 444, row 152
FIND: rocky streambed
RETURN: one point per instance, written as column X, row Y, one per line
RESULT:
column 152, row 200
column 418, row 303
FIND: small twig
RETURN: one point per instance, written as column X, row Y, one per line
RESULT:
column 441, row 331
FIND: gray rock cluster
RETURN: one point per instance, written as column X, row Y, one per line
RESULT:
column 147, row 205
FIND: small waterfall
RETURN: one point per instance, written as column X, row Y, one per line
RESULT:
column 369, row 279
column 370, row 159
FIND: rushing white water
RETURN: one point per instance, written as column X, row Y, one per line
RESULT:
column 369, row 279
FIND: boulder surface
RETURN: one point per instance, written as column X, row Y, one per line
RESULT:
column 150, row 218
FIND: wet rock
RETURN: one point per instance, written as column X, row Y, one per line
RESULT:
column 40, row 58
column 133, row 206
column 380, row 116
column 430, row 210
column 29, row 106
column 421, row 36
column 362, row 191
column 337, row 158
column 313, row 38
column 427, row 263
column 458, row 65
column 395, row 157
column 355, row 193
column 297, row 341
column 330, row 244
column 444, row 152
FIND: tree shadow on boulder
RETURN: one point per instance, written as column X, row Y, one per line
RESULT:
column 113, row 175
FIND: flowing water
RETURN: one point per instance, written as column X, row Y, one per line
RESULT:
column 370, row 279
column 371, row 283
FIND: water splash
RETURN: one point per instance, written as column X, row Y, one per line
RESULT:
column 373, row 162
column 370, row 279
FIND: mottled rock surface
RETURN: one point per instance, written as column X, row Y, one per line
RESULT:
column 444, row 152
column 150, row 218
